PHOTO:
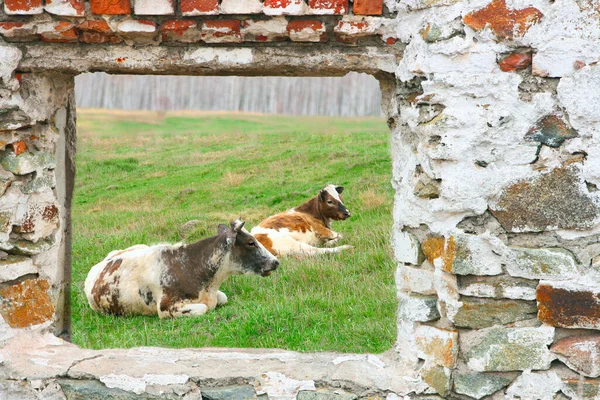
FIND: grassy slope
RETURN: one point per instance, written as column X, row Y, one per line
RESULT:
column 141, row 176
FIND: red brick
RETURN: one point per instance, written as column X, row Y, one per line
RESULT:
column 70, row 8
column 328, row 6
column 110, row 7
column 368, row 7
column 350, row 29
column 19, row 31
column 176, row 30
column 505, row 23
column 26, row 303
column 222, row 31
column 23, row 7
column 18, row 147
column 63, row 32
column 96, row 31
column 568, row 305
column 306, row 30
column 285, row 7
column 270, row 30
column 515, row 61
column 199, row 7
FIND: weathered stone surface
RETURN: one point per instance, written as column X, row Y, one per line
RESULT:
column 13, row 267
column 307, row 31
column 417, row 308
column 535, row 385
column 550, row 201
column 425, row 186
column 40, row 183
column 515, row 62
column 137, row 31
column 407, row 248
column 274, row 29
column 478, row 313
column 500, row 286
column 478, row 386
column 87, row 389
column 552, row 130
column 464, row 254
column 580, row 353
column 183, row 31
column 27, row 162
column 505, row 23
column 229, row 393
column 569, row 304
column 26, row 303
column 581, row 389
column 439, row 346
column 323, row 395
column 556, row 264
column 512, row 349
column 437, row 377
column 417, row 280
column 27, row 248
column 17, row 390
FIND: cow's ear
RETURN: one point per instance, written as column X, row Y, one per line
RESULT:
column 322, row 194
column 237, row 225
column 339, row 189
column 222, row 229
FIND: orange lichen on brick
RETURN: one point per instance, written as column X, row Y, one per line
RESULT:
column 443, row 351
column 504, row 22
column 26, row 303
column 439, row 247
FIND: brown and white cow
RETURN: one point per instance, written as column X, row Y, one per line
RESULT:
column 299, row 230
column 175, row 280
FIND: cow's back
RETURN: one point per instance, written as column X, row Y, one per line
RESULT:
column 126, row 281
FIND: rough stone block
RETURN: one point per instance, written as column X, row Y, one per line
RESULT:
column 569, row 304
column 464, row 254
column 222, row 31
column 580, row 353
column 241, row 6
column 437, row 377
column 183, row 31
column 552, row 200
column 18, row 147
column 96, row 31
column 270, row 30
column 14, row 267
column 154, row 7
column 62, row 32
column 40, row 217
column 478, row 386
column 535, row 385
column 28, row 248
column 500, row 286
column 23, row 7
column 505, row 23
column 368, row 7
column 439, row 346
column 68, row 8
column 556, row 264
column 328, row 7
column 515, row 62
column 322, row 395
column 511, row 349
column 417, row 280
column 110, row 7
column 478, row 313
column 285, row 7
column 229, row 393
column 552, row 131
column 27, row 162
column 190, row 8
column 94, row 390
column 306, row 31
column 26, row 303
column 407, row 248
column 417, row 308
column 581, row 389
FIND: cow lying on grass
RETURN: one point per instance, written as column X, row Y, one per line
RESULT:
column 175, row 280
column 299, row 230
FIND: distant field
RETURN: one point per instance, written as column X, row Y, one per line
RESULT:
column 142, row 175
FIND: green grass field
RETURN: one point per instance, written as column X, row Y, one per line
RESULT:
column 142, row 175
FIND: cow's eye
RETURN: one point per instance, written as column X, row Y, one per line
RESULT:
column 329, row 202
column 252, row 243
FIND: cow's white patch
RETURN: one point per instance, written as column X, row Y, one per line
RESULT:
column 331, row 190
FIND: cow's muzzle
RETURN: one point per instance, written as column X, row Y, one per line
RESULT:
column 271, row 266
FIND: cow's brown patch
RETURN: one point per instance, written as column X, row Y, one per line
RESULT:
column 294, row 222
column 107, row 288
column 264, row 239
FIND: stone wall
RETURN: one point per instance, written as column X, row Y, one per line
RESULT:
column 494, row 109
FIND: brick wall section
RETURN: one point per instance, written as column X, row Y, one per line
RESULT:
column 194, row 21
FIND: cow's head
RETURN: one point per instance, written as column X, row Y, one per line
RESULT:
column 247, row 254
column 330, row 203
